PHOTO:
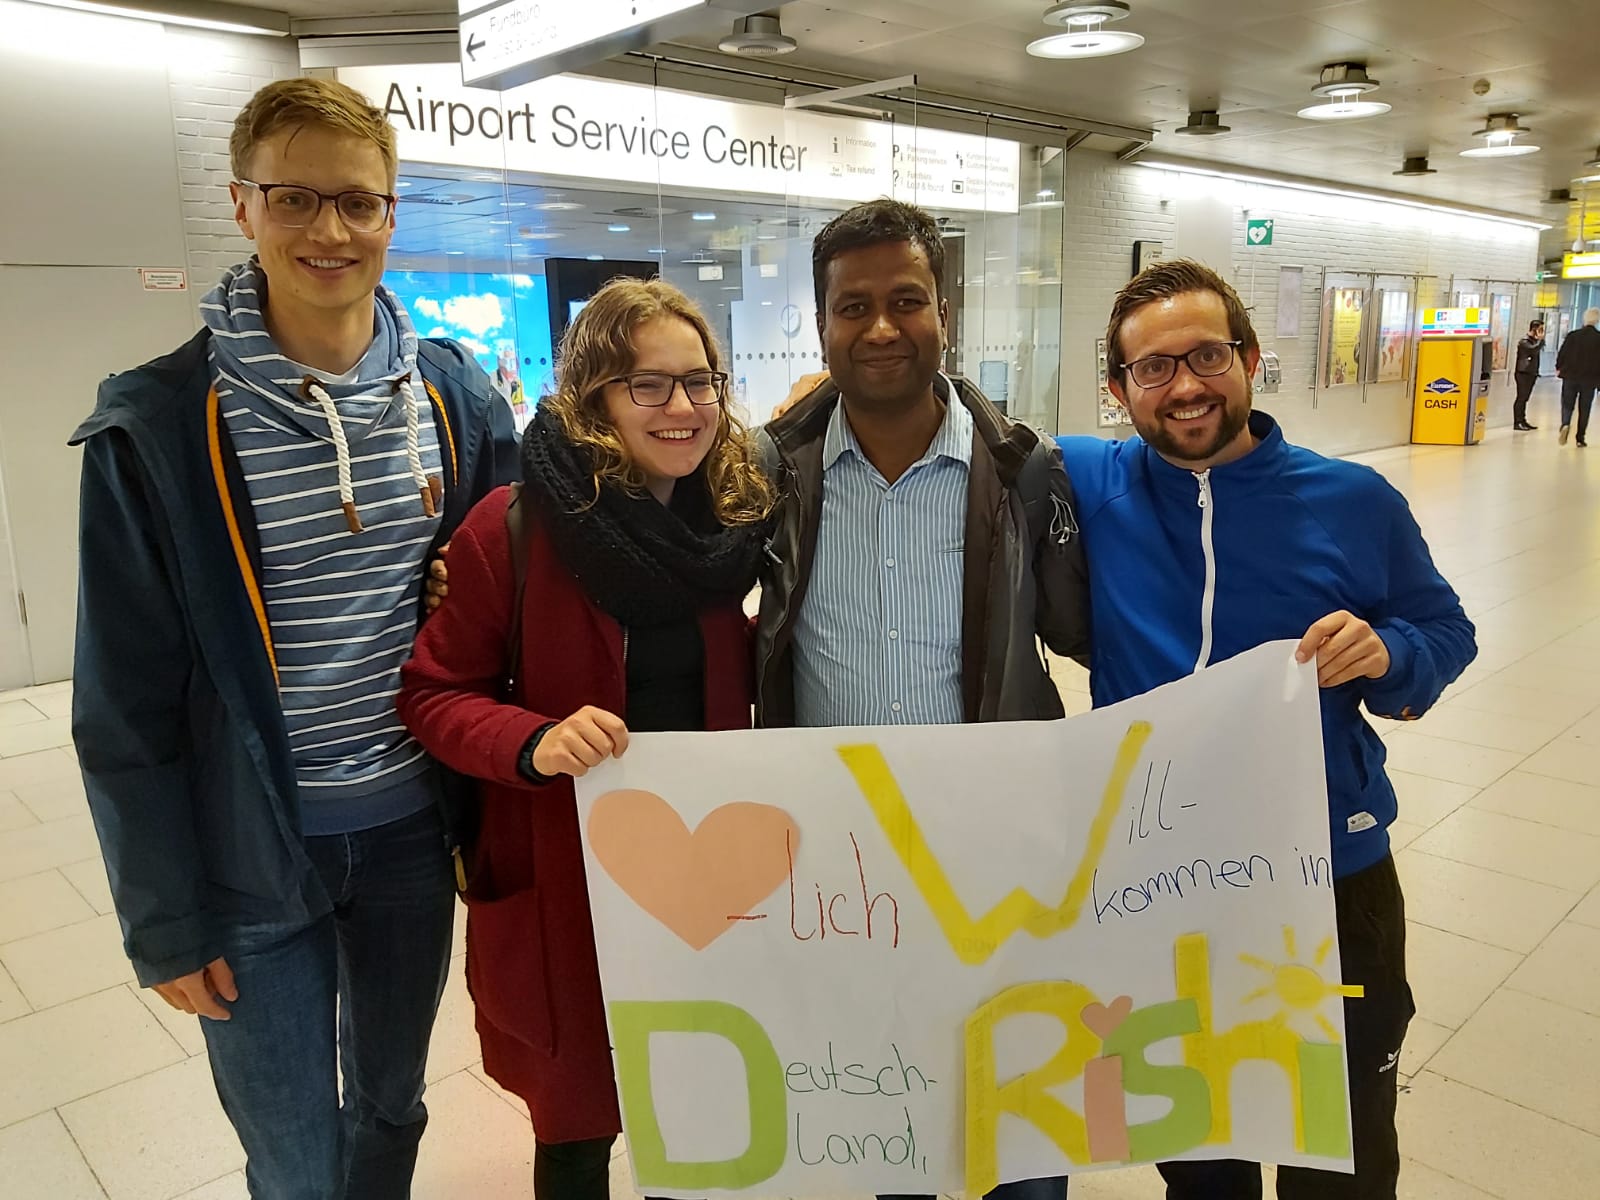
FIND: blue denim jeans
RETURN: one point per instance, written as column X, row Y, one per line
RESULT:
column 1052, row 1188
column 358, row 990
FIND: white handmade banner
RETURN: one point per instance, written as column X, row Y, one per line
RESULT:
column 924, row 960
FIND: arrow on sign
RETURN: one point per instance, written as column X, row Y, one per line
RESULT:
column 474, row 44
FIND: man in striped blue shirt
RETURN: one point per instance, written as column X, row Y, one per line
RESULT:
column 257, row 510
column 923, row 544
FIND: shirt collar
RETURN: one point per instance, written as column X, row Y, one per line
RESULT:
column 952, row 441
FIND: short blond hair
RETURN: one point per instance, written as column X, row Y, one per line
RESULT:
column 295, row 103
column 597, row 347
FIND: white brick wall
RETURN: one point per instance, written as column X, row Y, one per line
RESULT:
column 1110, row 205
column 212, row 75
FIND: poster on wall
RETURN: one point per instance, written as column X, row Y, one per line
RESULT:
column 1343, row 363
column 1290, row 280
column 1500, row 329
column 870, row 981
column 1112, row 414
column 1394, row 336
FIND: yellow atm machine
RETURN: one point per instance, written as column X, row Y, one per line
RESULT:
column 1450, row 406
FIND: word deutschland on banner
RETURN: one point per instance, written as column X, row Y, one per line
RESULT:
column 924, row 960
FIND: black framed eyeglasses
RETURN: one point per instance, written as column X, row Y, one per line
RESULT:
column 653, row 389
column 295, row 207
column 1205, row 360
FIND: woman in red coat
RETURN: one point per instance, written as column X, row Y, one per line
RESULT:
column 645, row 509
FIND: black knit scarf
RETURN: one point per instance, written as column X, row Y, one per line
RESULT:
column 642, row 561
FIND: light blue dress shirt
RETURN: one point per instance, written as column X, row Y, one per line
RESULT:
column 878, row 639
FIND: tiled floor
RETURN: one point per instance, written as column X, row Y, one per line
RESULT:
column 102, row 1095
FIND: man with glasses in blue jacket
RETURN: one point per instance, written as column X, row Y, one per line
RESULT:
column 1209, row 534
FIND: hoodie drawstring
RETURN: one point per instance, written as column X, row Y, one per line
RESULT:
column 314, row 391
column 431, row 488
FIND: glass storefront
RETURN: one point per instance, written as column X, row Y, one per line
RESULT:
column 516, row 206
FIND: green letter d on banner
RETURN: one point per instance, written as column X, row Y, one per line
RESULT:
column 632, row 1023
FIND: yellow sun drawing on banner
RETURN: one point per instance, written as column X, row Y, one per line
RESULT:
column 1299, row 988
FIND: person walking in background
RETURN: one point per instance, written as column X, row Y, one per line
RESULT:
column 257, row 509
column 1529, row 350
column 1578, row 365
column 638, row 527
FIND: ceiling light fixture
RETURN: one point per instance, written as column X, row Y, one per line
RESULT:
column 1500, row 133
column 558, row 206
column 618, row 228
column 758, row 36
column 224, row 18
column 1203, row 121
column 705, row 216
column 1415, row 164
column 1341, row 84
column 1087, row 35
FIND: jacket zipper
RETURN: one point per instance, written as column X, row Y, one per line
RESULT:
column 1209, row 599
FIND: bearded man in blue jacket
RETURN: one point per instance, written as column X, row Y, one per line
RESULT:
column 1209, row 534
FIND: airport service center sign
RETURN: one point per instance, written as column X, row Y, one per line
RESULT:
column 584, row 128
column 928, row 960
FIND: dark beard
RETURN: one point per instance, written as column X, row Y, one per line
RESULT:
column 1169, row 447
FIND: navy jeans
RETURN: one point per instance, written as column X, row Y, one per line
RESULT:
column 1053, row 1188
column 1580, row 396
column 376, row 966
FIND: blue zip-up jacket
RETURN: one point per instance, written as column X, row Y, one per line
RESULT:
column 1187, row 570
column 175, row 710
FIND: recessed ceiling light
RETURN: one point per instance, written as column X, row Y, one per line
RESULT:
column 705, row 216
column 766, row 237
column 595, row 257
column 656, row 250
column 1415, row 164
column 484, row 177
column 1203, row 122
column 513, row 204
column 558, row 206
column 537, row 235
column 1086, row 35
column 1500, row 133
column 499, row 221
column 455, row 251
column 618, row 228
column 1344, row 108
column 730, row 287
column 403, row 183
column 1501, row 150
column 1342, row 84
column 1045, row 194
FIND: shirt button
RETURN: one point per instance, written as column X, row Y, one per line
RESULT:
column 888, row 562
column 895, row 707
column 894, row 635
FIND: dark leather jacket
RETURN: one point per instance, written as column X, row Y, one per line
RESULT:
column 1025, row 575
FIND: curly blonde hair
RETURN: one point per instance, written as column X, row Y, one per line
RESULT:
column 597, row 347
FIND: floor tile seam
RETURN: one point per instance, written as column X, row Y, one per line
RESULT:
column 1526, row 821
column 133, row 988
column 1587, row 1133
column 1473, row 803
column 98, row 916
column 183, row 1055
column 197, row 1187
column 1557, row 778
column 1508, row 986
column 84, row 896
column 1504, row 875
column 1526, row 754
column 77, row 1145
column 8, row 977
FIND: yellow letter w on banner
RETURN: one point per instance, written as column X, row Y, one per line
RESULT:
column 974, row 941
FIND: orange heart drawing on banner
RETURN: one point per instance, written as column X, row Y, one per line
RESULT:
column 1106, row 1019
column 696, row 884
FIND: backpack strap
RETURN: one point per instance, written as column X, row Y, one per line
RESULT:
column 517, row 528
